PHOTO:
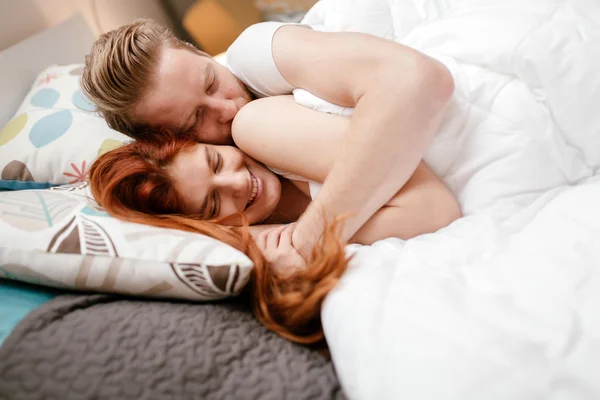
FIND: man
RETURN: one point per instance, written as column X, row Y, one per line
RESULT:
column 141, row 76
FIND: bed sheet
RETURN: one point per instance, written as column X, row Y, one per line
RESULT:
column 479, row 310
column 503, row 302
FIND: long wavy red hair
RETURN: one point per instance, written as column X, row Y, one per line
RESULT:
column 132, row 183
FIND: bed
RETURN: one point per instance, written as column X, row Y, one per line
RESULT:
column 61, row 343
column 16, row 301
column 503, row 303
column 19, row 65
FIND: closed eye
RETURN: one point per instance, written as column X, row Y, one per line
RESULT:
column 214, row 85
column 217, row 159
column 216, row 205
column 219, row 163
column 197, row 118
column 213, row 209
column 199, row 115
column 216, row 202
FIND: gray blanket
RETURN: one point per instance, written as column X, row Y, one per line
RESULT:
column 106, row 347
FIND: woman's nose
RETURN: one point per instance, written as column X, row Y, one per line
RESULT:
column 235, row 183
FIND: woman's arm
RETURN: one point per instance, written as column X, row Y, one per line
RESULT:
column 423, row 205
column 399, row 95
column 284, row 135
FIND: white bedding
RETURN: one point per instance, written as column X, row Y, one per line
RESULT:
column 505, row 302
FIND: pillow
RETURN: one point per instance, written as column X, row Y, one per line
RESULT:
column 55, row 134
column 59, row 237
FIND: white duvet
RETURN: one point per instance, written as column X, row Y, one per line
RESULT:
column 505, row 302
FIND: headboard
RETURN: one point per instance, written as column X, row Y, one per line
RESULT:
column 66, row 43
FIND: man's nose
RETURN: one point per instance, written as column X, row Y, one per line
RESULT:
column 225, row 110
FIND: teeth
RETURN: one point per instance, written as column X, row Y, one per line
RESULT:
column 254, row 190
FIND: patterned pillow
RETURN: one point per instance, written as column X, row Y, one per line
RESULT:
column 55, row 135
column 59, row 237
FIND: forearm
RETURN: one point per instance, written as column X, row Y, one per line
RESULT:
column 387, row 137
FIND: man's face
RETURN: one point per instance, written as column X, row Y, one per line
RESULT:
column 193, row 95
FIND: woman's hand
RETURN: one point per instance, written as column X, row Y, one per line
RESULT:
column 276, row 245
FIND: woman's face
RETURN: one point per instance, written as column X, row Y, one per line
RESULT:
column 219, row 181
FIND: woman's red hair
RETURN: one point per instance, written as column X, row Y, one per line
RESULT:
column 132, row 183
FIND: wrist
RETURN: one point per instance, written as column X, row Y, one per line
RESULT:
column 307, row 233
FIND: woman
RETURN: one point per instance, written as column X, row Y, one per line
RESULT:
column 219, row 191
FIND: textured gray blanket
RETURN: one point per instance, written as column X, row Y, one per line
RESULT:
column 105, row 347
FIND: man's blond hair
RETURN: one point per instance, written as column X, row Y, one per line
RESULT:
column 121, row 67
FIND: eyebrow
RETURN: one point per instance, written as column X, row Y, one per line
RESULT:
column 184, row 128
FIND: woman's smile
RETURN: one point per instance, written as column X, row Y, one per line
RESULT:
column 221, row 181
column 256, row 189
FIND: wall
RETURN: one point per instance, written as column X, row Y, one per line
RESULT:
column 22, row 18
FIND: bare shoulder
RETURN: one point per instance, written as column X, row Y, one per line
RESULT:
column 254, row 116
column 282, row 134
column 341, row 66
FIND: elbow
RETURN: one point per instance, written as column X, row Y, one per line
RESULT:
column 445, row 210
column 442, row 82
column 430, row 82
column 453, row 212
column 435, row 81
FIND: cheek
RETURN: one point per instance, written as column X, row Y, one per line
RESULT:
column 274, row 188
column 231, row 92
column 234, row 88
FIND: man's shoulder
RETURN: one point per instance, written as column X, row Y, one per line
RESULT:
column 250, row 59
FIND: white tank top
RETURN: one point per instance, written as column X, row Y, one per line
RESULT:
column 250, row 59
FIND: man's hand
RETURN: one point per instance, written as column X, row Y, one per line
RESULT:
column 276, row 245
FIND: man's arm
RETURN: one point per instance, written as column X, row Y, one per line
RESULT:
column 399, row 95
column 285, row 135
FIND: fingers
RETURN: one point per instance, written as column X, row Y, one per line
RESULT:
column 276, row 246
column 285, row 238
column 273, row 237
column 261, row 240
column 268, row 239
